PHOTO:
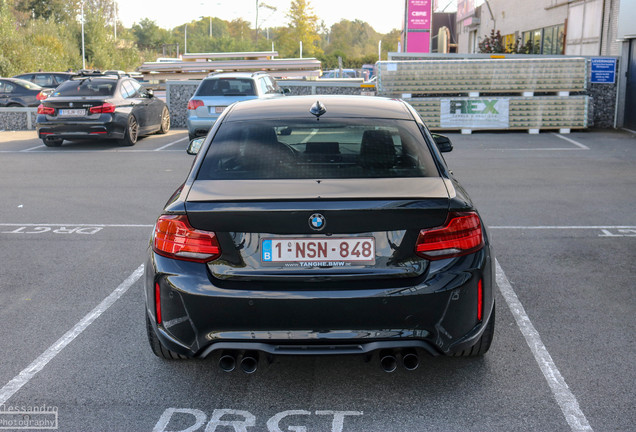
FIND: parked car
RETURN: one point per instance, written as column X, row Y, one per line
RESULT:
column 312, row 227
column 220, row 90
column 46, row 79
column 337, row 73
column 15, row 92
column 99, row 106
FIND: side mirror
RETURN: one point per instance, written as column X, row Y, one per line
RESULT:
column 195, row 145
column 286, row 91
column 443, row 143
column 150, row 93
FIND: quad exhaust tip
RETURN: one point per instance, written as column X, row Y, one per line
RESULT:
column 248, row 363
column 389, row 361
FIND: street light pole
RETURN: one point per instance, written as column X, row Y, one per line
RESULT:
column 83, row 52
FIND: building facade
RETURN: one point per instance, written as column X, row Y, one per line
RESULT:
column 552, row 27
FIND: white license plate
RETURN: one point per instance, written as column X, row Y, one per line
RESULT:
column 72, row 112
column 219, row 109
column 323, row 252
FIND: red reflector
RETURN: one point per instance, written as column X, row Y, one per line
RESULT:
column 102, row 109
column 480, row 300
column 460, row 235
column 194, row 104
column 45, row 110
column 175, row 238
column 158, row 302
column 97, row 133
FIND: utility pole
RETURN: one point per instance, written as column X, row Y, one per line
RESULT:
column 83, row 52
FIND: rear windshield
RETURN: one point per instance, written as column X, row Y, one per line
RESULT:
column 226, row 87
column 343, row 148
column 86, row 87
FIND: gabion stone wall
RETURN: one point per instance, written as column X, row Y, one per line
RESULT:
column 602, row 104
column 177, row 95
column 17, row 118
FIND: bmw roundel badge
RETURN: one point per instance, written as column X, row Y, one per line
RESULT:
column 317, row 222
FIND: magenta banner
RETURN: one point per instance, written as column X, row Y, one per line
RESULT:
column 418, row 26
column 419, row 15
column 419, row 42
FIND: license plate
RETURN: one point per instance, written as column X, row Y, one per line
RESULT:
column 219, row 109
column 321, row 252
column 72, row 112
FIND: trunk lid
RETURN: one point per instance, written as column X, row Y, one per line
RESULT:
column 368, row 229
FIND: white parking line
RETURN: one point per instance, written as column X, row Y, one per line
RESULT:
column 570, row 140
column 169, row 144
column 33, row 148
column 564, row 397
column 30, row 371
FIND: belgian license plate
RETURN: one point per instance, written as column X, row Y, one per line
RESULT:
column 219, row 109
column 320, row 252
column 72, row 112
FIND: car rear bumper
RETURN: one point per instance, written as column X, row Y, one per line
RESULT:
column 79, row 129
column 200, row 126
column 437, row 313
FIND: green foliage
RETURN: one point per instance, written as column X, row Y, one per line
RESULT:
column 46, row 34
column 303, row 27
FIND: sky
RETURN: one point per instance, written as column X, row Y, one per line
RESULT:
column 382, row 15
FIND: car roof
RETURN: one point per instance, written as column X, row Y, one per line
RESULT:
column 236, row 75
column 22, row 82
column 337, row 106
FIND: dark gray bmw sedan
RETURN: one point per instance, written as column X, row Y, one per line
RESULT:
column 314, row 226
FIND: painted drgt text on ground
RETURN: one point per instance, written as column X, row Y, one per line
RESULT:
column 53, row 230
column 240, row 421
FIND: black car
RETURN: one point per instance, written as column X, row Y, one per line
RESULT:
column 319, row 227
column 99, row 106
column 15, row 92
column 46, row 79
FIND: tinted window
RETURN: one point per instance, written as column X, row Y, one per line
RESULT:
column 127, row 90
column 86, row 87
column 347, row 148
column 226, row 87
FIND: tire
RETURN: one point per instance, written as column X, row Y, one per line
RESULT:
column 52, row 142
column 156, row 347
column 14, row 105
column 483, row 344
column 132, row 131
column 165, row 121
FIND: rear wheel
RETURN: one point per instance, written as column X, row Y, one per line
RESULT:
column 158, row 349
column 165, row 121
column 52, row 142
column 483, row 344
column 132, row 129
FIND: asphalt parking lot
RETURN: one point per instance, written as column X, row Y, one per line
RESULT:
column 74, row 227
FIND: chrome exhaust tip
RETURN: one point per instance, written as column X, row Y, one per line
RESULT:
column 227, row 361
column 388, row 362
column 410, row 359
column 249, row 362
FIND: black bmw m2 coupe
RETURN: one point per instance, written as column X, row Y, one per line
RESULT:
column 316, row 226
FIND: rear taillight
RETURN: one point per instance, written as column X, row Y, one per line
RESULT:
column 460, row 235
column 45, row 110
column 41, row 96
column 194, row 104
column 175, row 238
column 102, row 109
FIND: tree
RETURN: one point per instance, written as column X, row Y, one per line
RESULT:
column 303, row 27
